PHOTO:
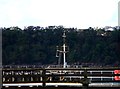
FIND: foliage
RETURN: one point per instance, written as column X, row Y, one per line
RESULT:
column 37, row 45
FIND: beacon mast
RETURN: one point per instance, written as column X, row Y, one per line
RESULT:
column 62, row 50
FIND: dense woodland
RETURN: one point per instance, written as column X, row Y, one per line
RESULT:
column 37, row 45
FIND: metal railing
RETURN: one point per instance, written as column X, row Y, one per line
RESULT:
column 85, row 76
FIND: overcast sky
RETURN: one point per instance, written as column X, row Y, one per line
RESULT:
column 69, row 13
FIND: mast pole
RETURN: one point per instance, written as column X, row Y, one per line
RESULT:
column 64, row 50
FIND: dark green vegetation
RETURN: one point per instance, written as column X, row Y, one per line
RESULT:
column 37, row 45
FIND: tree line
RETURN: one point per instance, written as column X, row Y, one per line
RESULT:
column 37, row 45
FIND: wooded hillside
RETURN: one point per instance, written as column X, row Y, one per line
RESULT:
column 37, row 45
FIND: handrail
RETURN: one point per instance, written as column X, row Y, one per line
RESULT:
column 47, row 73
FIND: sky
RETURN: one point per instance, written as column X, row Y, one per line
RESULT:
column 69, row 13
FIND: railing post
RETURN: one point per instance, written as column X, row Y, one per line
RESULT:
column 43, row 77
column 85, row 81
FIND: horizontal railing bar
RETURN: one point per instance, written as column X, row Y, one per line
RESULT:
column 34, row 69
column 53, row 75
